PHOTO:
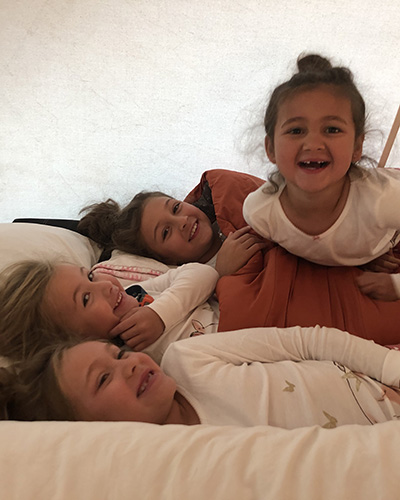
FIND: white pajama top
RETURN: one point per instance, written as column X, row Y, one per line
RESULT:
column 289, row 377
column 368, row 226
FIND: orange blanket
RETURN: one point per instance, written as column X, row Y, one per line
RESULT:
column 280, row 289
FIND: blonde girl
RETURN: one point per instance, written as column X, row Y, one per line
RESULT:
column 45, row 302
column 288, row 378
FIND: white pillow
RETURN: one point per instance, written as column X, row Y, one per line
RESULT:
column 125, row 461
column 130, row 268
column 128, row 259
column 21, row 241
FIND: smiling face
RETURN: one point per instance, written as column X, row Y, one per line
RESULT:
column 89, row 304
column 314, row 141
column 106, row 384
column 177, row 232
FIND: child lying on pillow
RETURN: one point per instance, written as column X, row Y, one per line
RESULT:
column 289, row 378
column 44, row 302
column 174, row 232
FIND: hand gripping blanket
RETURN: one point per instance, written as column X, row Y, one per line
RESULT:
column 276, row 288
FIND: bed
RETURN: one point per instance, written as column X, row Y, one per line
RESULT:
column 101, row 460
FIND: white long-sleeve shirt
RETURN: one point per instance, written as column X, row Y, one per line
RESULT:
column 368, row 226
column 182, row 301
column 287, row 378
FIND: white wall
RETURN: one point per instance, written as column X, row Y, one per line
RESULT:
column 103, row 98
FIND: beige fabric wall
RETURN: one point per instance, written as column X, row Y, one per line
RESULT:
column 104, row 98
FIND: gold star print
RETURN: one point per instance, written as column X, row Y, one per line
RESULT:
column 350, row 375
column 289, row 388
column 332, row 421
column 383, row 397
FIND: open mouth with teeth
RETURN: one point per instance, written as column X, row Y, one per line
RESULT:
column 119, row 298
column 145, row 383
column 193, row 230
column 313, row 165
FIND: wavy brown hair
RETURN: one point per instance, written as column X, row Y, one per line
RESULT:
column 113, row 227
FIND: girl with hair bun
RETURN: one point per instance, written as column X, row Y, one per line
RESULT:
column 321, row 203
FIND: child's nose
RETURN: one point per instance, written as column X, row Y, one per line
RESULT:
column 314, row 141
column 182, row 221
column 105, row 287
column 127, row 366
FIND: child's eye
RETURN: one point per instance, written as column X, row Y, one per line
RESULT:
column 333, row 130
column 295, row 131
column 164, row 233
column 121, row 354
column 103, row 379
column 175, row 208
column 90, row 276
column 85, row 299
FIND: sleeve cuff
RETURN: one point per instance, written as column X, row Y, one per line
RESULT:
column 391, row 369
column 396, row 283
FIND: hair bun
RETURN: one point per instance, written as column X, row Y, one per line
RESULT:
column 313, row 62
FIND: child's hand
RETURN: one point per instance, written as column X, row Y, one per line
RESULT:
column 377, row 286
column 237, row 249
column 139, row 328
column 386, row 263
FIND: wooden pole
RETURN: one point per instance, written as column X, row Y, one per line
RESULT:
column 390, row 140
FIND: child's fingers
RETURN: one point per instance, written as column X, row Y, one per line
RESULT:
column 234, row 235
column 122, row 327
column 367, row 282
column 242, row 230
column 136, row 340
column 138, row 343
column 129, row 334
column 132, row 343
column 378, row 286
column 386, row 263
column 366, row 277
column 389, row 262
column 382, row 267
column 248, row 239
column 254, row 241
column 259, row 245
column 391, row 257
column 368, row 288
column 389, row 266
column 365, row 288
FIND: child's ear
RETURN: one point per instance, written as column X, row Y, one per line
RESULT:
column 358, row 147
column 269, row 148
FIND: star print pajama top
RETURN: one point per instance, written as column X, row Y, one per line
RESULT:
column 288, row 378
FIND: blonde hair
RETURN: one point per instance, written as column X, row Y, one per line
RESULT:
column 30, row 390
column 25, row 326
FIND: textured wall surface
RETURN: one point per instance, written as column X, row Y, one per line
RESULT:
column 105, row 98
